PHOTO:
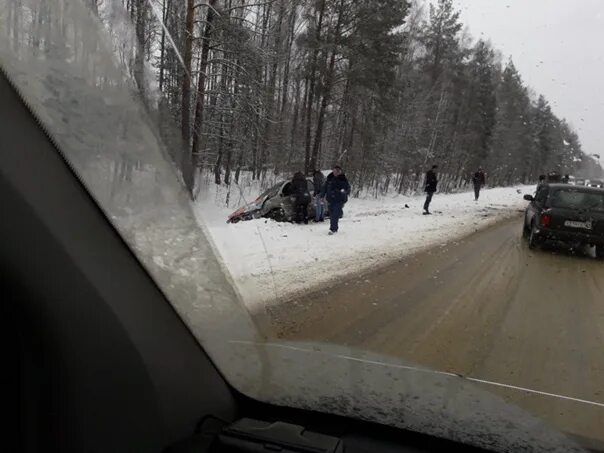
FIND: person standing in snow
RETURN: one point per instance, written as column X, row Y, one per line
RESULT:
column 318, row 180
column 302, row 197
column 335, row 190
column 430, row 188
column 478, row 180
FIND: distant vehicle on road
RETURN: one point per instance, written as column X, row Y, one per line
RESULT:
column 565, row 213
column 579, row 182
column 275, row 203
column 596, row 183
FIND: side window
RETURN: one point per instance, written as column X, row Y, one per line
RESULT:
column 287, row 189
column 541, row 195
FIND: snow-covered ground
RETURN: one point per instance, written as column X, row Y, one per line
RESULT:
column 271, row 261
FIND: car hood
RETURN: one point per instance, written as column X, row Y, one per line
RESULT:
column 250, row 207
column 348, row 382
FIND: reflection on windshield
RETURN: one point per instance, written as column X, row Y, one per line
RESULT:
column 575, row 199
column 72, row 80
column 393, row 283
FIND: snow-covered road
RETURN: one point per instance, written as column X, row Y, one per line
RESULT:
column 271, row 261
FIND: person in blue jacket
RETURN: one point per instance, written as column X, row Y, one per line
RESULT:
column 318, row 181
column 335, row 190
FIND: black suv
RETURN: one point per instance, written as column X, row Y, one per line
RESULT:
column 566, row 213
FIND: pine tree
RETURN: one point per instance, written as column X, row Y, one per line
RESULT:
column 287, row 85
column 480, row 110
column 440, row 39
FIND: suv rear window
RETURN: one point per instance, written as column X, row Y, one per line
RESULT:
column 577, row 199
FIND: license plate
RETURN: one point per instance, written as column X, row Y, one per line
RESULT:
column 576, row 224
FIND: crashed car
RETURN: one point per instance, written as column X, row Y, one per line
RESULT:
column 275, row 203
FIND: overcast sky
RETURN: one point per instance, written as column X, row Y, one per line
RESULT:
column 558, row 48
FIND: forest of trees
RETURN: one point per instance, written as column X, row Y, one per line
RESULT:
column 383, row 87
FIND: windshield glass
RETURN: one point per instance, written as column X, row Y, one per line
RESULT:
column 402, row 278
column 271, row 192
column 576, row 199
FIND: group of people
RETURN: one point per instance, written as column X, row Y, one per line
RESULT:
column 333, row 190
column 553, row 176
column 479, row 179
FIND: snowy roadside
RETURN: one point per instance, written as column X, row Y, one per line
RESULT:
column 271, row 262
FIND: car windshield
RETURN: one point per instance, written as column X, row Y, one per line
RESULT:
column 410, row 284
column 272, row 191
column 577, row 199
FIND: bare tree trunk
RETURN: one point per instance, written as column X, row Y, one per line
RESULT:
column 286, row 71
column 201, row 83
column 326, row 91
column 292, row 144
column 162, row 56
column 187, row 164
column 270, row 95
column 285, row 89
column 239, row 164
column 311, row 89
column 218, row 163
column 308, row 93
column 139, row 59
column 229, row 155
column 434, row 135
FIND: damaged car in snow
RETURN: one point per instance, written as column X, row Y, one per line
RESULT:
column 275, row 203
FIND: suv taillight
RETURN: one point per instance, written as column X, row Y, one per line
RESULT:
column 546, row 219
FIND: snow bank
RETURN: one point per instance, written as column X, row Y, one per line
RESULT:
column 271, row 262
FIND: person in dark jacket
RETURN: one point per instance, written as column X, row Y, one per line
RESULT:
column 335, row 190
column 479, row 179
column 541, row 181
column 430, row 187
column 318, row 180
column 301, row 197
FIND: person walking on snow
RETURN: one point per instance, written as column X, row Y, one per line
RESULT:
column 302, row 197
column 430, row 188
column 478, row 179
column 335, row 190
column 318, row 180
